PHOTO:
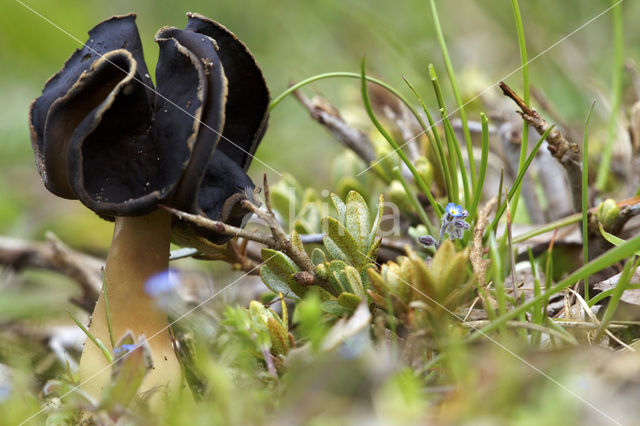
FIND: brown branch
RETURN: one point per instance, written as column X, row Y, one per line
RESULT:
column 222, row 227
column 267, row 194
column 329, row 117
column 282, row 241
column 55, row 256
column 626, row 213
column 567, row 153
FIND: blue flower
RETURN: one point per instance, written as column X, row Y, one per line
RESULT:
column 123, row 349
column 162, row 287
column 456, row 211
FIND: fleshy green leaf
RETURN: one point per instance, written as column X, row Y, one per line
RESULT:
column 334, row 308
column 373, row 249
column 296, row 242
column 276, row 284
column 376, row 223
column 345, row 241
column 355, row 282
column 341, row 278
column 334, row 250
column 277, row 271
column 349, row 301
column 348, row 184
column 318, row 256
column 357, row 219
column 341, row 208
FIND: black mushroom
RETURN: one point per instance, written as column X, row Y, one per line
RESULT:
column 102, row 134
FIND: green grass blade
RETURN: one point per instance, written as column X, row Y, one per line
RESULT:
column 437, row 146
column 418, row 179
column 373, row 80
column 94, row 339
column 452, row 141
column 525, row 97
column 477, row 190
column 343, row 74
column 616, row 241
column 560, row 223
column 622, row 285
column 607, row 259
column 537, row 314
column 595, row 299
column 498, row 279
column 414, row 201
column 107, row 309
column 453, row 169
column 465, row 183
column 454, row 88
column 518, row 181
column 585, row 199
column 616, row 94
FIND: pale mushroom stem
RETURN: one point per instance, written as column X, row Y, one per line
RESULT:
column 140, row 249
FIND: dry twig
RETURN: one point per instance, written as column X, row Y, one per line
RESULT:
column 321, row 110
column 567, row 153
column 54, row 255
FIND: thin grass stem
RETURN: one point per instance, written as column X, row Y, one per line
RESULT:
column 418, row 179
column 439, row 147
column 605, row 260
column 414, row 201
column 585, row 199
column 94, row 339
column 616, row 95
column 455, row 89
column 525, row 86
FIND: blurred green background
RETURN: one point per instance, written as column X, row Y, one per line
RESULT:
column 293, row 40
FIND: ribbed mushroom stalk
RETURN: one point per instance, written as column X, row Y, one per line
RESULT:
column 102, row 134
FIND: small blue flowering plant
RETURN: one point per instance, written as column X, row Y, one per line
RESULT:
column 452, row 223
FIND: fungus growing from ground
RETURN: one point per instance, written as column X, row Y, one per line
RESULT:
column 102, row 134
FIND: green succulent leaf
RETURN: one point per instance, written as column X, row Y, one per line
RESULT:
column 372, row 253
column 343, row 282
column 357, row 220
column 334, row 250
column 302, row 227
column 345, row 241
column 349, row 184
column 279, row 337
column 375, row 227
column 279, row 263
column 296, row 242
column 277, row 271
column 349, row 301
column 286, row 195
column 377, row 282
column 318, row 256
column 334, row 308
column 340, row 206
column 355, row 282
